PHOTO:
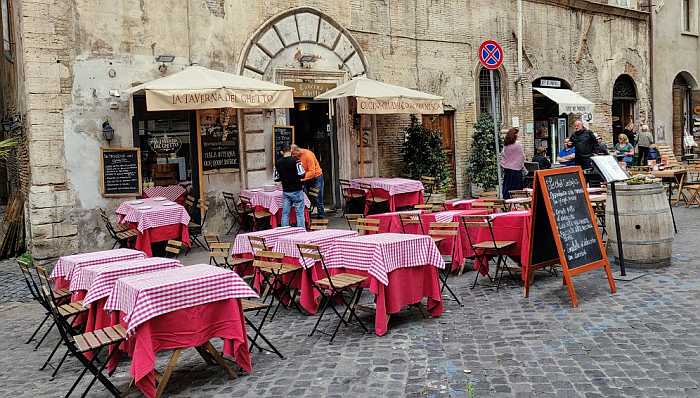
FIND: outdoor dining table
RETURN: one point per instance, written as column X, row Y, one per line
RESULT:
column 272, row 201
column 173, row 193
column 157, row 220
column 447, row 247
column 67, row 266
column 463, row 204
column 402, row 269
column 325, row 239
column 180, row 308
column 391, row 222
column 400, row 192
column 508, row 226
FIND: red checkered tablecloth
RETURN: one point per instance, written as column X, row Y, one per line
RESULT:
column 447, row 216
column 272, row 200
column 145, row 296
column 394, row 186
column 325, row 239
column 67, row 266
column 379, row 254
column 99, row 279
column 241, row 245
column 159, row 214
column 172, row 192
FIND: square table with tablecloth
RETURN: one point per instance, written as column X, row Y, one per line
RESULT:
column 391, row 222
column 157, row 220
column 400, row 192
column 402, row 269
column 272, row 202
column 67, row 266
column 509, row 226
column 180, row 308
column 174, row 193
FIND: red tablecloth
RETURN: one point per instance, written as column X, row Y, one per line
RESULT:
column 156, row 221
column 462, row 204
column 172, row 192
column 161, row 234
column 512, row 226
column 391, row 222
column 400, row 192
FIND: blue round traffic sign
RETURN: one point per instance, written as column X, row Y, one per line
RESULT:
column 490, row 54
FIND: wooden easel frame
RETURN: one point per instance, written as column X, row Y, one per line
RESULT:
column 138, row 167
column 568, row 274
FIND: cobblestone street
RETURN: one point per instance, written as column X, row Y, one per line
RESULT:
column 642, row 342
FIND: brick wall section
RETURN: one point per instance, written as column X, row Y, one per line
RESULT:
column 389, row 141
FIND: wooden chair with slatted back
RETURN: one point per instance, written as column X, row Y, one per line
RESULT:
column 257, row 244
column 210, row 238
column 318, row 225
column 173, row 249
column 446, row 234
column 219, row 254
column 124, row 236
column 691, row 186
column 374, row 201
column 519, row 193
column 352, row 220
column 352, row 197
column 438, row 205
column 313, row 194
column 278, row 278
column 365, row 226
column 408, row 219
column 425, row 208
column 256, row 216
column 489, row 247
column 333, row 287
column 197, row 229
column 488, row 194
column 428, row 186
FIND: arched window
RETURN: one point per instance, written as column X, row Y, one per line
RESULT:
column 485, row 93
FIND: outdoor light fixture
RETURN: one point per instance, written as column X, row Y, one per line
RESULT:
column 107, row 132
column 164, row 59
column 303, row 106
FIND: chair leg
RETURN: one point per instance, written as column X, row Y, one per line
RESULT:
column 38, row 344
column 51, row 355
column 36, row 331
column 262, row 336
column 262, row 322
column 104, row 380
column 353, row 313
column 326, row 301
column 452, row 293
column 88, row 365
column 58, row 367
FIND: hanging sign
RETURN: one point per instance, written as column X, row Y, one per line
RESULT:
column 563, row 229
column 491, row 54
column 164, row 144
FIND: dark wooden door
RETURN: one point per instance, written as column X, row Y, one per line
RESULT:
column 445, row 125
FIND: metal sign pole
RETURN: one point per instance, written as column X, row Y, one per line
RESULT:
column 620, row 254
column 495, row 134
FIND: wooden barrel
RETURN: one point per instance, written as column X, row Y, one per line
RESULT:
column 646, row 225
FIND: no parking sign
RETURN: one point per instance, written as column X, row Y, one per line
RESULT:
column 491, row 54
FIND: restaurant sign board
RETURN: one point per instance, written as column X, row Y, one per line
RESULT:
column 309, row 89
column 164, row 144
column 384, row 106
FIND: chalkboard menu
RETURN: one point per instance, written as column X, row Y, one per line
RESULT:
column 219, row 141
column 281, row 136
column 120, row 173
column 563, row 228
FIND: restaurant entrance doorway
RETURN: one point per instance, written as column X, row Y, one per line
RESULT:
column 313, row 132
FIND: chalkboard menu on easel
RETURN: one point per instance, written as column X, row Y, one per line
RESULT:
column 563, row 227
column 281, row 136
column 120, row 172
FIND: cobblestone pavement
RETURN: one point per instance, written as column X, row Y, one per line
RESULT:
column 642, row 342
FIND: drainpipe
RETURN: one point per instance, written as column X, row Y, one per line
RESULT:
column 520, row 40
column 651, row 121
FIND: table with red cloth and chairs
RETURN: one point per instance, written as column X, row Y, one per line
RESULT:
column 67, row 266
column 508, row 226
column 325, row 239
column 399, row 192
column 463, row 204
column 271, row 201
column 174, row 193
column 391, row 222
column 241, row 245
column 402, row 269
column 175, row 309
column 157, row 220
column 457, row 252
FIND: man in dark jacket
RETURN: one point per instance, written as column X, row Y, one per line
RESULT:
column 586, row 144
column 290, row 172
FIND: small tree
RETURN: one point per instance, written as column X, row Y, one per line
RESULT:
column 483, row 159
column 423, row 154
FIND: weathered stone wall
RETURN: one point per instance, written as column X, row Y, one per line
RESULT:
column 76, row 51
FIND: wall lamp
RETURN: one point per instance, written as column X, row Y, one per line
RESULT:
column 164, row 60
column 107, row 132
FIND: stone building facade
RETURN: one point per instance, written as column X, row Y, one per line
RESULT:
column 74, row 57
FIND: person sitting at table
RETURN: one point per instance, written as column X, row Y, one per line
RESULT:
column 290, row 172
column 541, row 159
column 624, row 151
column 313, row 177
column 567, row 154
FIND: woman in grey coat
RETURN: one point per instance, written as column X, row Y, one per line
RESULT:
column 644, row 141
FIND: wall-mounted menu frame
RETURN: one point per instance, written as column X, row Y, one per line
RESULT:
column 219, row 140
column 281, row 135
column 563, row 229
column 120, row 172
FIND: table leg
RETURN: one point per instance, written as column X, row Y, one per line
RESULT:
column 168, row 372
column 670, row 206
column 219, row 359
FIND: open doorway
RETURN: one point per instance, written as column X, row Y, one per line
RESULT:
column 624, row 102
column 550, row 127
column 313, row 132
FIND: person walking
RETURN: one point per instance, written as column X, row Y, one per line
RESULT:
column 644, row 142
column 513, row 163
column 585, row 143
column 624, row 151
column 313, row 177
column 290, row 172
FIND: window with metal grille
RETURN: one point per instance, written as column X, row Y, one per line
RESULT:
column 485, row 93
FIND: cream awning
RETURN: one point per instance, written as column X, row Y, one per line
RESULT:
column 197, row 87
column 568, row 101
column 378, row 98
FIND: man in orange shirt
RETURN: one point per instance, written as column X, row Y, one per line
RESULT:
column 313, row 177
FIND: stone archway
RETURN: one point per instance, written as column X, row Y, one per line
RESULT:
column 301, row 38
column 683, row 86
column 624, row 105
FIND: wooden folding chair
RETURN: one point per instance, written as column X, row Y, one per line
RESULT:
column 408, row 219
column 428, row 186
column 238, row 214
column 219, row 254
column 519, row 193
column 196, row 229
column 373, row 200
column 173, row 249
column 446, row 232
column 313, row 197
column 692, row 185
column 483, row 249
column 253, row 305
column 257, row 244
column 255, row 216
column 318, row 225
column 334, row 286
column 425, row 208
column 364, row 226
column 351, row 197
column 352, row 219
column 123, row 235
column 273, row 272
